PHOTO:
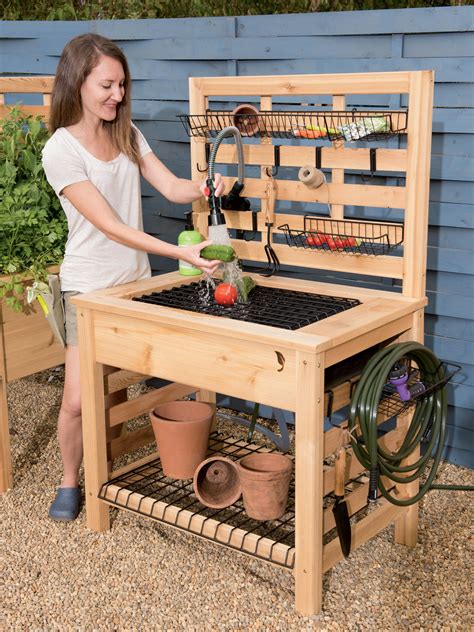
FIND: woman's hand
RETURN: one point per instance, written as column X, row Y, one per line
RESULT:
column 192, row 254
column 219, row 186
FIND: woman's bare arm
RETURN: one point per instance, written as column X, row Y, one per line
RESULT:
column 88, row 201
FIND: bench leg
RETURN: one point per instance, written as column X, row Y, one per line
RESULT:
column 309, row 429
column 93, row 425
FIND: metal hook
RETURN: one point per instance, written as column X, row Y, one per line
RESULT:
column 318, row 150
column 270, row 172
column 208, row 152
column 373, row 165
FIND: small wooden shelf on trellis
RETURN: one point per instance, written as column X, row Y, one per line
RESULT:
column 346, row 236
column 323, row 125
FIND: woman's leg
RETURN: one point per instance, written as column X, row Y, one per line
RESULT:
column 70, row 420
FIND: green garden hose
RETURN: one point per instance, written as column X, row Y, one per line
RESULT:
column 427, row 426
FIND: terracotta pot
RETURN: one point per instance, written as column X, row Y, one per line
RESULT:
column 182, row 433
column 245, row 119
column 265, row 480
column 216, row 482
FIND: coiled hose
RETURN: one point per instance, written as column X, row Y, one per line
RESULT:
column 427, row 426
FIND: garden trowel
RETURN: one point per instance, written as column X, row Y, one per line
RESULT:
column 340, row 511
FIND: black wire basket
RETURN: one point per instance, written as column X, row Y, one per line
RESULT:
column 262, row 124
column 417, row 386
column 344, row 236
column 322, row 125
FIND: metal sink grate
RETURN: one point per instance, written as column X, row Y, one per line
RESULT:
column 286, row 309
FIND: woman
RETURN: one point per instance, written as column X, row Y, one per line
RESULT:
column 93, row 161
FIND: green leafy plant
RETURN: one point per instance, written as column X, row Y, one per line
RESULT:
column 33, row 227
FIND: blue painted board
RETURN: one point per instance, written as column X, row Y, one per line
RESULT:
column 446, row 213
column 450, row 283
column 447, row 237
column 438, row 44
column 450, row 260
column 461, row 351
column 122, row 29
column 452, row 70
column 290, row 47
column 449, row 304
column 428, row 20
column 459, row 457
column 454, row 192
column 450, row 144
column 461, row 418
column 439, row 325
column 458, row 438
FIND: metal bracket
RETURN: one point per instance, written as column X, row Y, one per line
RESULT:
column 318, row 150
column 208, row 153
column 276, row 152
column 373, row 164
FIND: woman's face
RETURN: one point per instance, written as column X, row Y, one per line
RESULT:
column 103, row 90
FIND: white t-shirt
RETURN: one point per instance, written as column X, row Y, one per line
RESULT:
column 92, row 261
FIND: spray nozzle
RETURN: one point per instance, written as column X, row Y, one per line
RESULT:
column 399, row 376
column 216, row 217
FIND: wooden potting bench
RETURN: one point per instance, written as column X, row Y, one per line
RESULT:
column 281, row 368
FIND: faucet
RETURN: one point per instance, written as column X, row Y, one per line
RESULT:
column 232, row 200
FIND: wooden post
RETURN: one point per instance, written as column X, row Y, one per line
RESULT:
column 198, row 105
column 309, row 428
column 417, row 182
column 93, row 424
column 406, row 527
column 337, row 210
column 6, row 477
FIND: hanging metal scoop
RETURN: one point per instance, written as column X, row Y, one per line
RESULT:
column 273, row 263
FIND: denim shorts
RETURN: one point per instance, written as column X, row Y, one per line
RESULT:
column 70, row 317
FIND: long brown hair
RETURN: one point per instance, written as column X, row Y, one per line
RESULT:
column 79, row 57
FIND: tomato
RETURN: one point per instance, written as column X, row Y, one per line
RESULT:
column 225, row 294
column 316, row 239
column 352, row 242
column 330, row 242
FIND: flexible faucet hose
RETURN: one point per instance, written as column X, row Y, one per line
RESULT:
column 226, row 133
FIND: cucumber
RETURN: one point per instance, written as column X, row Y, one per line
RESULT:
column 245, row 285
column 219, row 252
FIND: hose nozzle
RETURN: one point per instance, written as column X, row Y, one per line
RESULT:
column 216, row 217
column 399, row 376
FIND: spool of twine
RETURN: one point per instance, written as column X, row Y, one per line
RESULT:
column 311, row 177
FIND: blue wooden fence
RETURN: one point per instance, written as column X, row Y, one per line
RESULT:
column 164, row 53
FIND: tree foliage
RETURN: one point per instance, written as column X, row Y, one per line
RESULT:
column 135, row 9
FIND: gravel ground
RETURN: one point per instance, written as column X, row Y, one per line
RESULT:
column 143, row 576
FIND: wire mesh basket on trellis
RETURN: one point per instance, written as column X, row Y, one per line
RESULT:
column 323, row 125
column 348, row 236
